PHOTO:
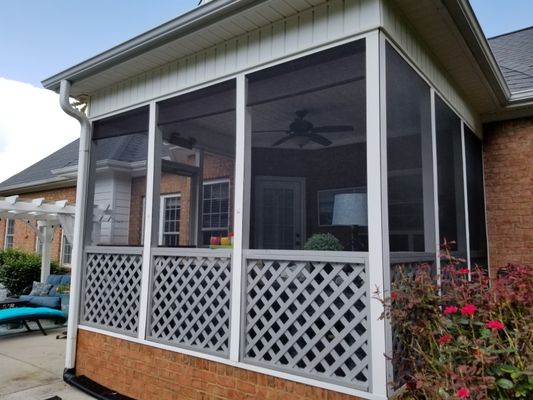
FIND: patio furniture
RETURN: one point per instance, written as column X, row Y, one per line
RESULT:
column 26, row 314
column 53, row 299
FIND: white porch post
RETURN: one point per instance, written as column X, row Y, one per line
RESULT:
column 242, row 207
column 153, row 168
column 376, row 260
column 45, row 232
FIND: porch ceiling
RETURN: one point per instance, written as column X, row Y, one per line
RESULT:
column 199, row 29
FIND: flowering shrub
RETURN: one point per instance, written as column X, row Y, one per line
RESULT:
column 461, row 338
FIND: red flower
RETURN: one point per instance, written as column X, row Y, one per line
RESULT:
column 394, row 295
column 450, row 310
column 468, row 309
column 463, row 393
column 463, row 271
column 495, row 325
column 445, row 339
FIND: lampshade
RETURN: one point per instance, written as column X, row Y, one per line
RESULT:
column 350, row 209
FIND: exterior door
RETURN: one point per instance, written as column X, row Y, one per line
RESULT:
column 279, row 212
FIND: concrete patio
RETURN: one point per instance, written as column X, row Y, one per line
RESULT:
column 31, row 367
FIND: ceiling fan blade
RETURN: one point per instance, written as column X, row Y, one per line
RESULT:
column 272, row 131
column 332, row 128
column 319, row 139
column 282, row 140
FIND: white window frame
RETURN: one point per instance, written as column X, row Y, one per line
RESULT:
column 215, row 182
column 163, row 197
column 9, row 235
column 62, row 250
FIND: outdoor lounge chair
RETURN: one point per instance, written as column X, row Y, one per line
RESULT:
column 26, row 314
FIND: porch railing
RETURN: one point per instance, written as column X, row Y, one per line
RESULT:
column 303, row 313
column 307, row 314
column 190, row 299
column 111, row 289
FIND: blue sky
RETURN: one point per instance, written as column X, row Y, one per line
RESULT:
column 39, row 38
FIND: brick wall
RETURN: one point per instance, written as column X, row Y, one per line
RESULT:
column 508, row 161
column 25, row 237
column 145, row 372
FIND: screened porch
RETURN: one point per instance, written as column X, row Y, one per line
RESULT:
column 250, row 220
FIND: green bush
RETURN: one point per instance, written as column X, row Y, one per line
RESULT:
column 18, row 270
column 323, row 241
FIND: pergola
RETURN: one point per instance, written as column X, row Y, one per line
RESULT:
column 47, row 215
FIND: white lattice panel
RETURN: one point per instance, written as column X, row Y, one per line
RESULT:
column 309, row 318
column 190, row 302
column 112, row 289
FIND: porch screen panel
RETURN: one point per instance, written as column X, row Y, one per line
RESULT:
column 409, row 158
column 118, row 179
column 452, row 227
column 309, row 152
column 198, row 149
column 476, row 199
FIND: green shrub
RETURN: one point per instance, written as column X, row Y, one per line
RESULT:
column 323, row 241
column 19, row 269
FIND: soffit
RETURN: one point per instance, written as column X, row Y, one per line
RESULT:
column 123, row 66
column 433, row 22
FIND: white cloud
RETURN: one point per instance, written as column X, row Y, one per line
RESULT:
column 32, row 126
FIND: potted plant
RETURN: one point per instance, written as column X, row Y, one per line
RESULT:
column 63, row 290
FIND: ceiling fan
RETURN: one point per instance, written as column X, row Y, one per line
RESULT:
column 303, row 129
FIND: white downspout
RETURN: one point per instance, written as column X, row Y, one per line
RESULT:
column 81, row 206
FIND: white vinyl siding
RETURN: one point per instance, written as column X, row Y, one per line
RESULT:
column 319, row 25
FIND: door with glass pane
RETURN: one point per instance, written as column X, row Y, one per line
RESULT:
column 279, row 212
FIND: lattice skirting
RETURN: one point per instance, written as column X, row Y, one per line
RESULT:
column 190, row 303
column 309, row 318
column 112, row 286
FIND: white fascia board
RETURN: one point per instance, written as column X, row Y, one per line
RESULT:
column 185, row 24
column 37, row 185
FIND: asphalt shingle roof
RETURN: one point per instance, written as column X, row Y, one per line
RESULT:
column 514, row 54
column 123, row 148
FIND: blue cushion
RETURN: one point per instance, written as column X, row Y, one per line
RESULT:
column 30, row 312
column 43, row 301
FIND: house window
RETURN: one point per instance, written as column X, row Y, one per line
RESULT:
column 170, row 220
column 10, row 233
column 66, row 251
column 215, row 210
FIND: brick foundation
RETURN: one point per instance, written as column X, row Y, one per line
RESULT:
column 508, row 161
column 146, row 372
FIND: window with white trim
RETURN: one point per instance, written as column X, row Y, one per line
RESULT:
column 215, row 209
column 66, row 250
column 169, row 234
column 10, row 233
